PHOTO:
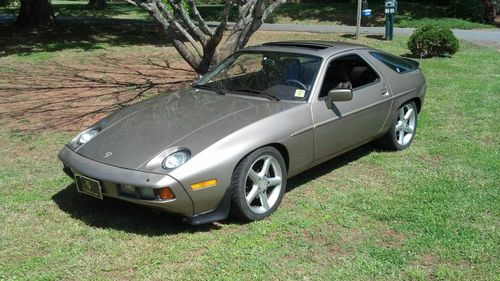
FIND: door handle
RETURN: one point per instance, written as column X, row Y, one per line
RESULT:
column 385, row 94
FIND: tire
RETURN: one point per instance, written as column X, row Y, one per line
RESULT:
column 251, row 185
column 404, row 123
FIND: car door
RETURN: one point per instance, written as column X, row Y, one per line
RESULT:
column 349, row 123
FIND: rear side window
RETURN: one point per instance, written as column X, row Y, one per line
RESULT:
column 399, row 65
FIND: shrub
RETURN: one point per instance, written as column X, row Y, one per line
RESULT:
column 430, row 41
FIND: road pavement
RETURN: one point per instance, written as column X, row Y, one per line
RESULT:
column 488, row 37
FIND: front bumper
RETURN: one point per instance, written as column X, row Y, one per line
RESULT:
column 112, row 178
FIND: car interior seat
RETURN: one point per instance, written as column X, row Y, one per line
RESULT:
column 337, row 77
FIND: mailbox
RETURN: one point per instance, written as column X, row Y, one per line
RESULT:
column 391, row 7
column 365, row 12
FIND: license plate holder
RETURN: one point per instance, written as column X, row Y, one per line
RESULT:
column 88, row 186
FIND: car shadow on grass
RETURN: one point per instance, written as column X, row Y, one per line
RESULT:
column 325, row 168
column 120, row 215
column 330, row 165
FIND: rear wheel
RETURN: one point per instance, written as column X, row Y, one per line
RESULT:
column 258, row 183
column 403, row 129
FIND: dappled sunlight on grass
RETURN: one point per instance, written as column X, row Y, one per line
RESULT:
column 429, row 212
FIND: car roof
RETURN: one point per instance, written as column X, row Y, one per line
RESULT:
column 309, row 47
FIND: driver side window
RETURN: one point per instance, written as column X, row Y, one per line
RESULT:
column 348, row 72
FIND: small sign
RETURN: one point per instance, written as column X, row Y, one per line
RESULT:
column 300, row 93
column 88, row 186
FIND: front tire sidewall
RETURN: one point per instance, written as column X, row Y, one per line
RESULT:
column 240, row 207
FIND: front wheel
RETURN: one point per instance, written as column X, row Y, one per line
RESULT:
column 259, row 183
column 403, row 129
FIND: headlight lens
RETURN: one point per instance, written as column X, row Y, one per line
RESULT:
column 87, row 135
column 176, row 159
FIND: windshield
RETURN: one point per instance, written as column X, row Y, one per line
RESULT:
column 273, row 75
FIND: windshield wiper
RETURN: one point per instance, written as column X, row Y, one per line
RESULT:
column 214, row 89
column 256, row 93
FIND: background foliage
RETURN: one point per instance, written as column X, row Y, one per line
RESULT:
column 433, row 41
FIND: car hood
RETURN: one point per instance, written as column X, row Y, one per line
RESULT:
column 136, row 134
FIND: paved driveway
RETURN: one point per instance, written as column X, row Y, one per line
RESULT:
column 488, row 37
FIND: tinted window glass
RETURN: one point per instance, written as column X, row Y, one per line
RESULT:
column 286, row 76
column 347, row 72
column 395, row 63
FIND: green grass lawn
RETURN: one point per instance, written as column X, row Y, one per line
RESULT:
column 410, row 14
column 428, row 213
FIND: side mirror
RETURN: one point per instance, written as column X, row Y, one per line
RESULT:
column 338, row 95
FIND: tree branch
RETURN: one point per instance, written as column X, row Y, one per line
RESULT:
column 181, row 12
column 178, row 27
column 225, row 16
column 205, row 40
column 201, row 22
column 252, row 14
column 270, row 9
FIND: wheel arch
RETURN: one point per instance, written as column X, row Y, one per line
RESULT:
column 233, row 203
column 283, row 151
column 417, row 102
column 278, row 146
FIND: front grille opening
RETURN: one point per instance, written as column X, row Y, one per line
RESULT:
column 138, row 192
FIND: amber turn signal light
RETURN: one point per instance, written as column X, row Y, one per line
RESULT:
column 165, row 193
column 203, row 184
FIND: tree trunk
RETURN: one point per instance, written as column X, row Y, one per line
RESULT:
column 198, row 43
column 35, row 13
column 97, row 4
column 490, row 11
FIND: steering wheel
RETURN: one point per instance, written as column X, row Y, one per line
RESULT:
column 296, row 82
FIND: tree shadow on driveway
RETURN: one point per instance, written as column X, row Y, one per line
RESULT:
column 70, row 95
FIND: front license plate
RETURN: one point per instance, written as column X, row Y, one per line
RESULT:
column 88, row 186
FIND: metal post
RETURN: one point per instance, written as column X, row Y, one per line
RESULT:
column 358, row 19
column 387, row 27
column 392, row 26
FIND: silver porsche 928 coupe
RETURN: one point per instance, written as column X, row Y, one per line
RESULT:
column 229, row 143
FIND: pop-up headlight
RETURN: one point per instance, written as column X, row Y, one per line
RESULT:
column 87, row 135
column 169, row 159
column 84, row 137
column 176, row 159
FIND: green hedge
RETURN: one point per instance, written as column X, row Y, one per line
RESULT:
column 431, row 41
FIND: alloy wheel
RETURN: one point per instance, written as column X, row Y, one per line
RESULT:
column 405, row 126
column 263, row 185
